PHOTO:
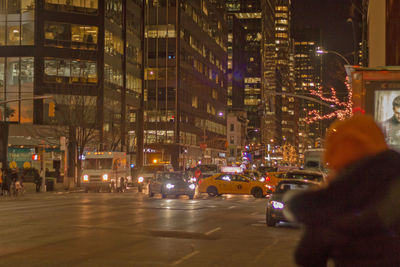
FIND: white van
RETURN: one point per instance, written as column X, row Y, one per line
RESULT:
column 105, row 171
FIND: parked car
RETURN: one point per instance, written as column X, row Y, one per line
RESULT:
column 276, row 203
column 171, row 183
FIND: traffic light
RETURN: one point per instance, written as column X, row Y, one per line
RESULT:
column 52, row 109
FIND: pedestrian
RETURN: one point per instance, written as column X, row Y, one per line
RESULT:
column 42, row 176
column 355, row 219
column 197, row 174
column 6, row 182
column 37, row 180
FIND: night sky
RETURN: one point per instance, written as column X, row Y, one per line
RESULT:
column 330, row 16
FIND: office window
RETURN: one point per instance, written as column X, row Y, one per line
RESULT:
column 195, row 101
column 17, row 23
column 16, row 81
column 70, row 70
column 70, row 35
column 232, row 139
column 73, row 6
column 232, row 127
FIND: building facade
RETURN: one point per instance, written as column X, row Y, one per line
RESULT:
column 185, row 82
column 85, row 55
column 307, row 69
column 249, row 13
column 284, row 62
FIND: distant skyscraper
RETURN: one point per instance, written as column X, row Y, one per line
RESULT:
column 249, row 14
column 185, row 81
column 284, row 53
column 271, row 129
column 307, row 69
column 236, row 63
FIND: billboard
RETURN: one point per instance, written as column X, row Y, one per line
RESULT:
column 383, row 103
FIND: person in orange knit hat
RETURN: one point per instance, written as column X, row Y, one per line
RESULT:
column 354, row 220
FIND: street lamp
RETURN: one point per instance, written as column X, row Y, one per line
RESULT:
column 321, row 51
column 350, row 20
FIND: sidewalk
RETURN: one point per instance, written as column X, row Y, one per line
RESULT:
column 30, row 188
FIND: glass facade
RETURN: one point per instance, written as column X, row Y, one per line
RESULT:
column 17, row 22
column 16, row 81
column 76, row 6
column 74, row 36
column 70, row 71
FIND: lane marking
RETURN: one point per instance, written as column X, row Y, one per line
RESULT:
column 212, row 231
column 264, row 250
column 231, row 207
column 184, row 258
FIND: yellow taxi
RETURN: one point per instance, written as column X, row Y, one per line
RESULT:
column 232, row 183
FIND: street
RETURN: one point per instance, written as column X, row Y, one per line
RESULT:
column 130, row 229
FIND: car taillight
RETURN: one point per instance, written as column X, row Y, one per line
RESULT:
column 268, row 179
column 200, row 181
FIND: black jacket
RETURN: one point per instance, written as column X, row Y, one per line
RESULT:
column 355, row 221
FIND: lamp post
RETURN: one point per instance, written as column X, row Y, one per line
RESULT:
column 321, row 51
column 350, row 20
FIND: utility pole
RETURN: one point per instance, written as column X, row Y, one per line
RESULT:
column 140, row 113
column 42, row 168
column 176, row 150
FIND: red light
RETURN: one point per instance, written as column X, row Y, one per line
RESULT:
column 201, row 180
column 35, row 157
column 268, row 179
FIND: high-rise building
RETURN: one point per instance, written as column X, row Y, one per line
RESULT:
column 307, row 69
column 249, row 14
column 284, row 60
column 236, row 63
column 185, row 82
column 271, row 130
column 86, row 55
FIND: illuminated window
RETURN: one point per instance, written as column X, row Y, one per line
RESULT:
column 195, row 102
column 17, row 22
column 162, row 31
column 70, row 70
column 214, row 94
column 78, row 6
column 70, row 35
column 19, row 74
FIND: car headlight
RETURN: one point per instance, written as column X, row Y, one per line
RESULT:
column 169, row 186
column 140, row 179
column 277, row 205
column 86, row 178
column 192, row 186
column 262, row 179
column 105, row 177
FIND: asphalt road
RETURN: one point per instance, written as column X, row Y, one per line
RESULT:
column 129, row 229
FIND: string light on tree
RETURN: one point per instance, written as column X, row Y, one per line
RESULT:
column 343, row 109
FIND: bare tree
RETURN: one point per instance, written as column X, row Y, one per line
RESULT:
column 77, row 115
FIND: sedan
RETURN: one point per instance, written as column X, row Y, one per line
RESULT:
column 232, row 183
column 171, row 183
column 276, row 203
